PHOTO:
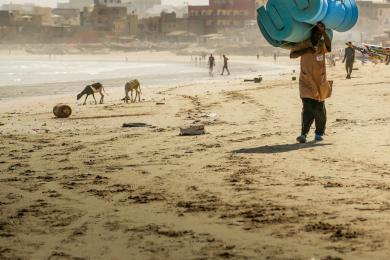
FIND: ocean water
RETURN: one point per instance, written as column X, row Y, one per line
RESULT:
column 27, row 72
column 60, row 77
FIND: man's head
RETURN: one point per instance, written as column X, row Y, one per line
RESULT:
column 317, row 33
column 349, row 44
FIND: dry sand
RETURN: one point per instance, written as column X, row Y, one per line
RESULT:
column 86, row 188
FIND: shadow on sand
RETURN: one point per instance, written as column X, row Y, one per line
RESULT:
column 282, row 148
column 108, row 116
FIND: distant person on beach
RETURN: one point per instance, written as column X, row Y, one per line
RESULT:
column 275, row 56
column 225, row 65
column 331, row 60
column 349, row 59
column 258, row 56
column 363, row 59
column 211, row 64
column 313, row 85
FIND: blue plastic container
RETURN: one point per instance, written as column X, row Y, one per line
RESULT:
column 277, row 21
column 264, row 32
column 307, row 11
column 335, row 15
column 351, row 16
column 288, row 21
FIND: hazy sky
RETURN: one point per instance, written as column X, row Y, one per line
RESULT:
column 169, row 2
column 54, row 2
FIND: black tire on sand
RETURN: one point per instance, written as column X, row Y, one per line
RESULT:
column 62, row 111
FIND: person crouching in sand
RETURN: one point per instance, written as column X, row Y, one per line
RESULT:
column 313, row 85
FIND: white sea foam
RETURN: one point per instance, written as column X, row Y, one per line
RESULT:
column 40, row 72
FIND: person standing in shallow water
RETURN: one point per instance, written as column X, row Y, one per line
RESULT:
column 211, row 64
column 225, row 65
column 349, row 59
column 313, row 85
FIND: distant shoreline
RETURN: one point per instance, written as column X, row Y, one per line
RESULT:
column 185, row 72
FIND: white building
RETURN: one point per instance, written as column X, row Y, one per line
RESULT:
column 109, row 2
column 76, row 4
column 139, row 7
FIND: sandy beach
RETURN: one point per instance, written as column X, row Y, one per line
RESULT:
column 87, row 188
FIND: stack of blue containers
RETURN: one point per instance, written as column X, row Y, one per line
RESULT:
column 284, row 22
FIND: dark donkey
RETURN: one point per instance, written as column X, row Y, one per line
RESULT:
column 91, row 90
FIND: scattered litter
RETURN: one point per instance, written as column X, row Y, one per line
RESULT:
column 1, row 124
column 211, row 115
column 193, row 130
column 327, row 177
column 255, row 80
column 62, row 111
column 132, row 125
column 344, row 121
column 160, row 103
column 40, row 130
column 294, row 78
column 159, row 130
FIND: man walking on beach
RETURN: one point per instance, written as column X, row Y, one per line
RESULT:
column 211, row 64
column 313, row 85
column 349, row 59
column 225, row 65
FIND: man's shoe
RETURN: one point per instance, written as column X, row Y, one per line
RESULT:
column 318, row 138
column 301, row 139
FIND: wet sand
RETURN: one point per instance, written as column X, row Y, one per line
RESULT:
column 86, row 188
